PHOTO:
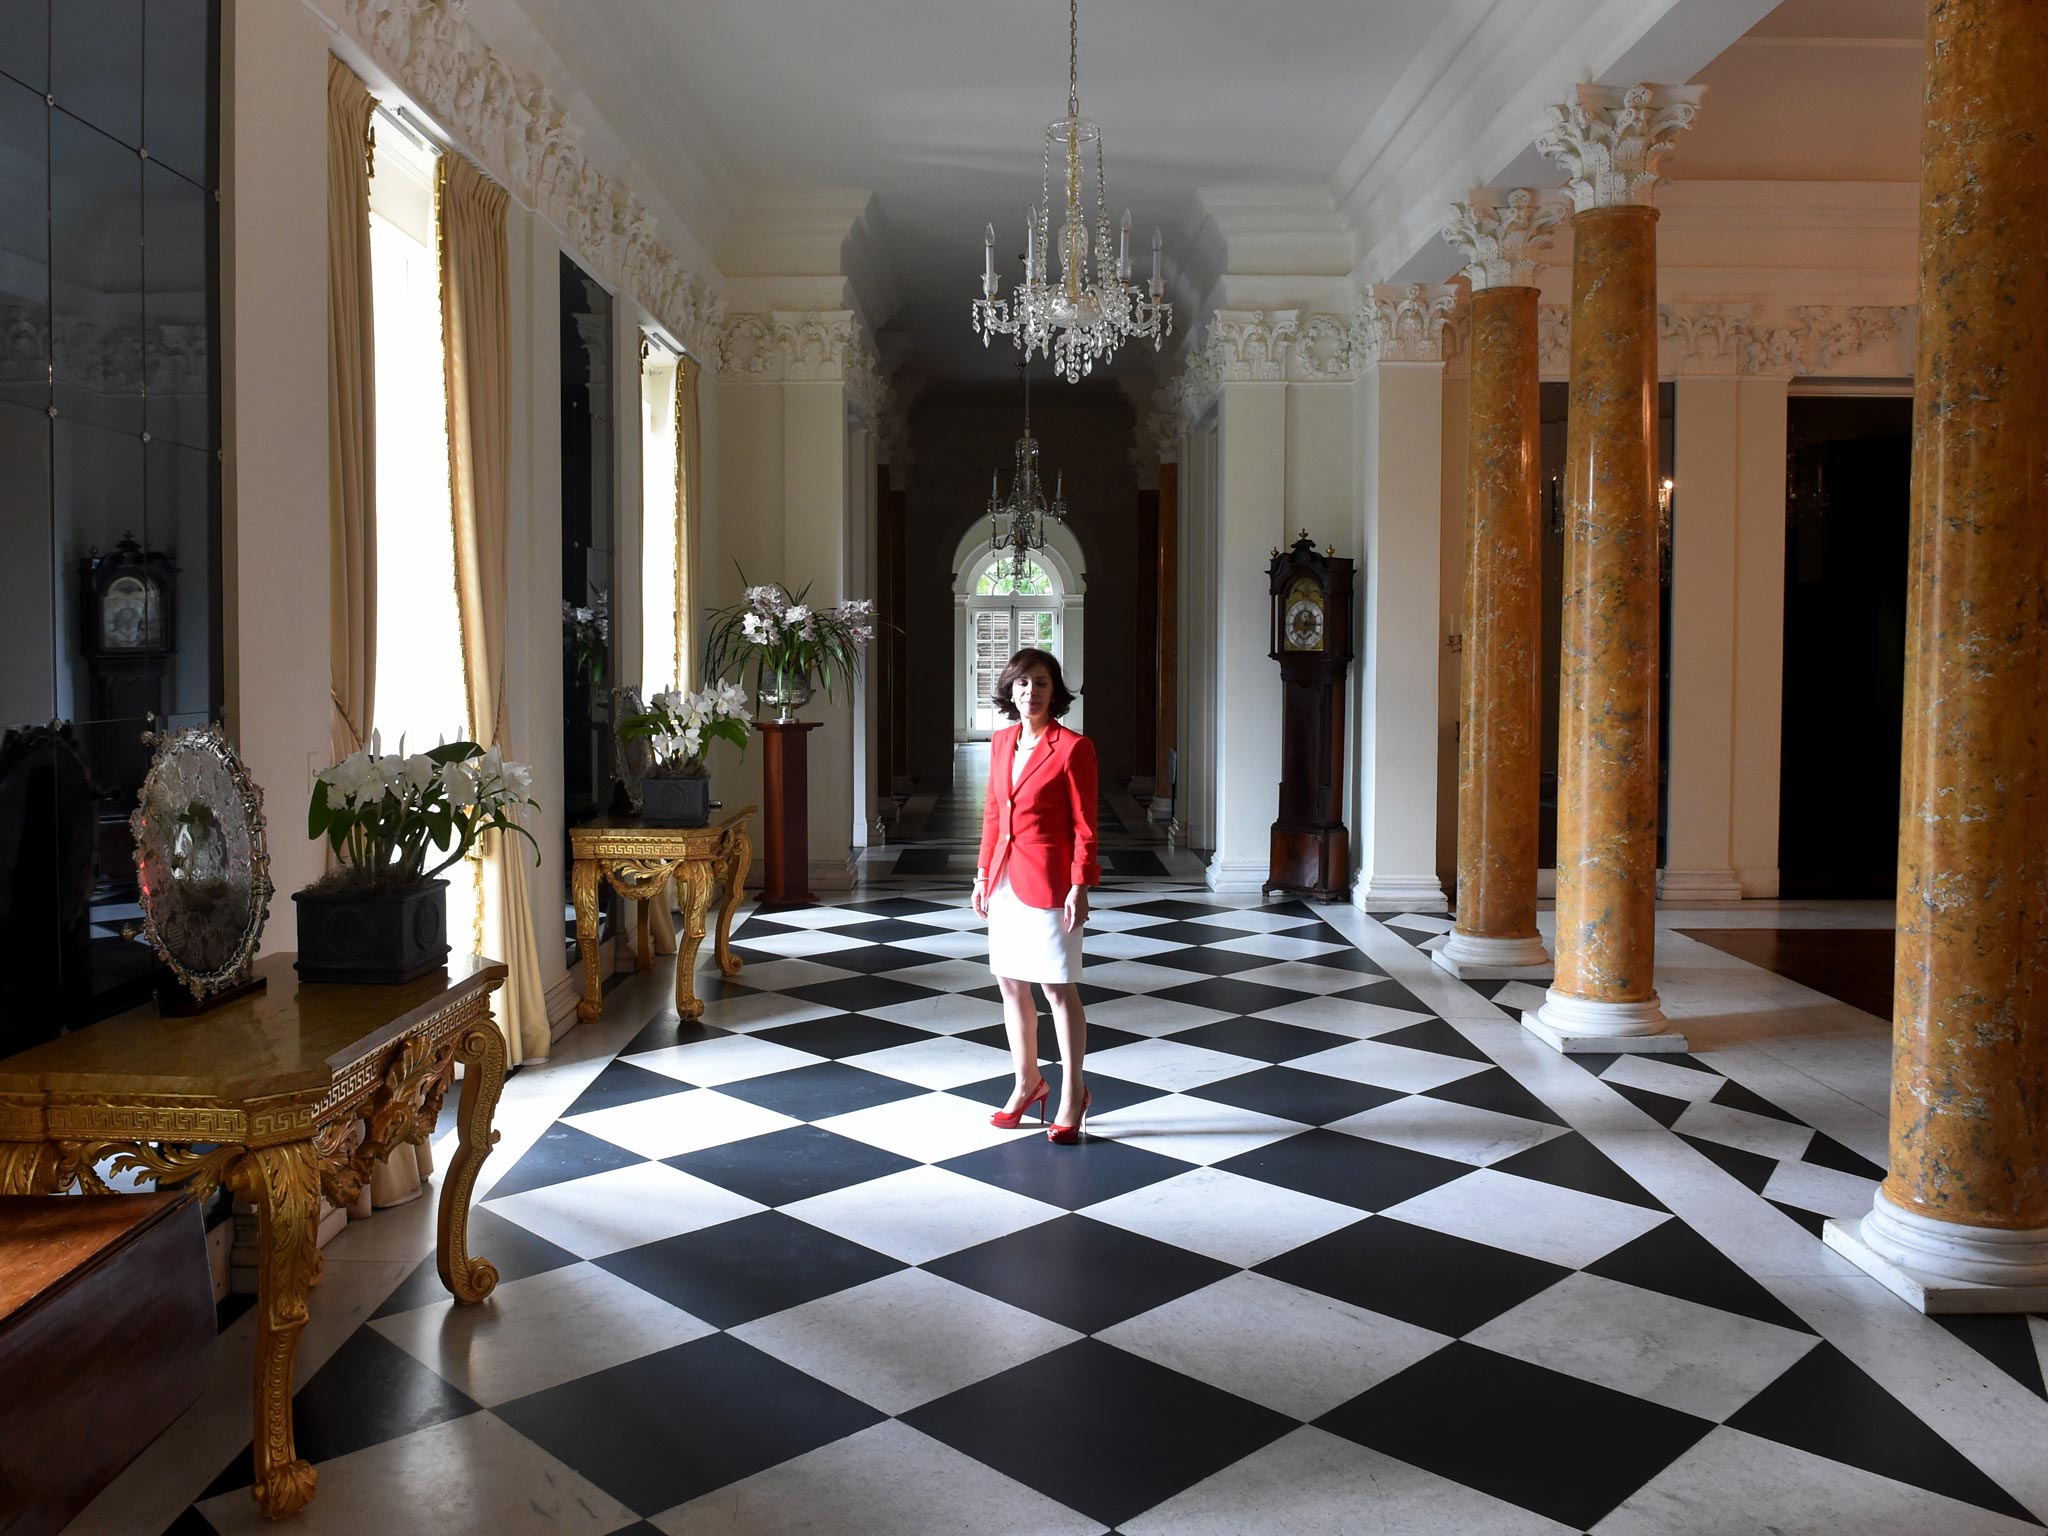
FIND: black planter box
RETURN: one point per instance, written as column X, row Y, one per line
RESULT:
column 372, row 938
column 675, row 802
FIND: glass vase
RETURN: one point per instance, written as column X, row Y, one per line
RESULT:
column 785, row 690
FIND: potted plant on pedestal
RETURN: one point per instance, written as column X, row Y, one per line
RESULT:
column 381, row 915
column 790, row 644
column 678, row 729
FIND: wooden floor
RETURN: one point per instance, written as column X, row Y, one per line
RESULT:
column 1852, row 965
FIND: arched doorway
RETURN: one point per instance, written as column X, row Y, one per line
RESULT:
column 995, row 616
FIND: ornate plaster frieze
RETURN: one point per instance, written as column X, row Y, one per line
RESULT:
column 1251, row 345
column 1749, row 340
column 1610, row 139
column 806, row 346
column 521, row 133
column 1325, row 351
column 1408, row 322
column 107, row 359
column 1502, row 235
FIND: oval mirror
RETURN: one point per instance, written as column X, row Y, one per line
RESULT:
column 202, row 861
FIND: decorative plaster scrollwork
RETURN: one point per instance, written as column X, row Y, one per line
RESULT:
column 1609, row 139
column 1409, row 322
column 1325, row 351
column 521, row 133
column 1752, row 341
column 806, row 346
column 1250, row 345
column 1501, row 235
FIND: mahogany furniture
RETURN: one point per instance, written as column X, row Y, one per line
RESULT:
column 638, row 861
column 786, row 786
column 1311, row 849
column 264, row 1095
column 106, row 1336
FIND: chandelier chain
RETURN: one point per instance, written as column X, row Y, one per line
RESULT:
column 1073, row 58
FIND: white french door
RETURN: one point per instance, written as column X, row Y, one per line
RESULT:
column 996, row 632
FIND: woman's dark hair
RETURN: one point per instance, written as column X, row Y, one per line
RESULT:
column 1023, row 662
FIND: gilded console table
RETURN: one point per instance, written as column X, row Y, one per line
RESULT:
column 264, row 1095
column 638, row 861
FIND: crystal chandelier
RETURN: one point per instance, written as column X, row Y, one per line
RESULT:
column 1017, row 523
column 1092, row 307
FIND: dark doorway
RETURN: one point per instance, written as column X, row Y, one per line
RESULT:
column 1849, row 466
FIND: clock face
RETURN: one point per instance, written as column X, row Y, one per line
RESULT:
column 1305, row 624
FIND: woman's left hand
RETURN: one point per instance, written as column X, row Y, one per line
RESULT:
column 1077, row 907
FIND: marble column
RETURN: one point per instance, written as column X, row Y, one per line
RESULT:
column 1961, row 1224
column 1604, row 997
column 1500, row 736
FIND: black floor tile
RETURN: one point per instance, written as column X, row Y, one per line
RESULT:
column 1230, row 995
column 670, row 1426
column 515, row 1252
column 1573, row 1162
column 1815, row 1222
column 1827, row 1152
column 785, row 1166
column 562, row 1153
column 1069, row 1177
column 875, row 958
column 1436, row 1036
column 815, row 1092
column 1345, row 959
column 1386, row 994
column 2007, row 1342
column 1110, row 1092
column 1205, row 960
column 1752, row 1169
column 1261, row 1039
column 1428, row 1278
column 736, row 1271
column 1493, row 1089
column 670, row 1028
column 1371, row 1175
column 887, row 930
column 1309, row 1097
column 923, row 861
column 847, row 1034
column 1676, row 1260
column 1080, row 1272
column 1566, row 1448
column 621, row 1083
column 903, row 906
column 1660, row 1107
column 852, row 993
column 1734, row 1096
column 1826, row 1405
column 1102, row 1431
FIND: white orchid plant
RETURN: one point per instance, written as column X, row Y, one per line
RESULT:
column 679, row 727
column 383, row 812
column 787, row 638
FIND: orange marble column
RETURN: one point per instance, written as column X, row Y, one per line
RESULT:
column 1604, row 997
column 1499, row 736
column 1961, row 1224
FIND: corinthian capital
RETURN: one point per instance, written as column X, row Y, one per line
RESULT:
column 1409, row 322
column 1501, row 234
column 1609, row 139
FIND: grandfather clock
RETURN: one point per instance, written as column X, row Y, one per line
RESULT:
column 1312, row 642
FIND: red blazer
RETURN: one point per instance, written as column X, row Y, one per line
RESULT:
column 1043, row 831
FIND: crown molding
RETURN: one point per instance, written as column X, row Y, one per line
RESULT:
column 521, row 132
column 808, row 347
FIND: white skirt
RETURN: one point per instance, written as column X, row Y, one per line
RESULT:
column 1030, row 943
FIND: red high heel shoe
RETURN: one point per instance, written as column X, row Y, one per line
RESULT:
column 1067, row 1135
column 1004, row 1120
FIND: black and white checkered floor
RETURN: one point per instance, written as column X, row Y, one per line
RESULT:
column 1325, row 1265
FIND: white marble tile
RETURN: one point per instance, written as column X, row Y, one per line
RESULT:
column 1827, row 1190
column 1292, row 1350
column 781, row 975
column 921, row 1214
column 754, row 1011
column 540, row 1332
column 1307, row 976
column 622, row 1208
column 1321, row 1485
column 1140, row 1015
column 1142, row 976
column 888, row 1480
column 1565, row 1226
column 474, row 1473
column 1420, row 922
column 1336, row 1016
column 1388, row 1066
column 1517, row 995
column 1279, row 946
column 1106, row 914
column 1697, row 1359
column 1169, row 1064
column 905, row 1339
column 676, row 1123
column 1443, row 1129
column 1739, row 1128
column 961, row 918
column 802, row 944
column 1193, row 1130
column 820, row 916
column 1251, row 920
column 951, row 1014
column 946, row 975
column 946, row 1062
column 1654, row 1076
column 930, row 1128
column 948, row 943
column 1125, row 946
column 728, row 1059
column 1224, row 1215
column 1736, row 1484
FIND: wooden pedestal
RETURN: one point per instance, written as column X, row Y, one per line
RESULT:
column 786, row 817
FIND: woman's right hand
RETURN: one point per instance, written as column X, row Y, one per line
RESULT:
column 980, row 896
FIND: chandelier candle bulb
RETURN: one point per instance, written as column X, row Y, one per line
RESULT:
column 1157, row 286
column 988, row 263
column 1123, row 250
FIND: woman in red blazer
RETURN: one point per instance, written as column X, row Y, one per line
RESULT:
column 1031, row 883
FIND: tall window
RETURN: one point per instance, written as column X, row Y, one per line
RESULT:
column 1005, row 615
column 420, row 692
column 663, row 644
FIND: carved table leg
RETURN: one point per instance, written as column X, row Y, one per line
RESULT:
column 583, row 878
column 694, row 879
column 35, row 1168
column 481, row 1050
column 283, row 1184
column 643, row 951
column 664, row 922
column 739, row 858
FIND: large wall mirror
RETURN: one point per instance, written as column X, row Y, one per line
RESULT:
column 109, row 464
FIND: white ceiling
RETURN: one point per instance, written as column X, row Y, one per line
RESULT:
column 936, row 108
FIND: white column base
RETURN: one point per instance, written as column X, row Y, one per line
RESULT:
column 1236, row 876
column 1400, row 893
column 1471, row 957
column 1687, row 887
column 1945, row 1266
column 1581, row 1026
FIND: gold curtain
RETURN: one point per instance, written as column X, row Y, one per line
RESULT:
column 689, row 434
column 351, row 417
column 476, row 330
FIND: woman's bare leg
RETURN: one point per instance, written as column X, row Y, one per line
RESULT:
column 1071, row 1021
column 1020, row 1021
